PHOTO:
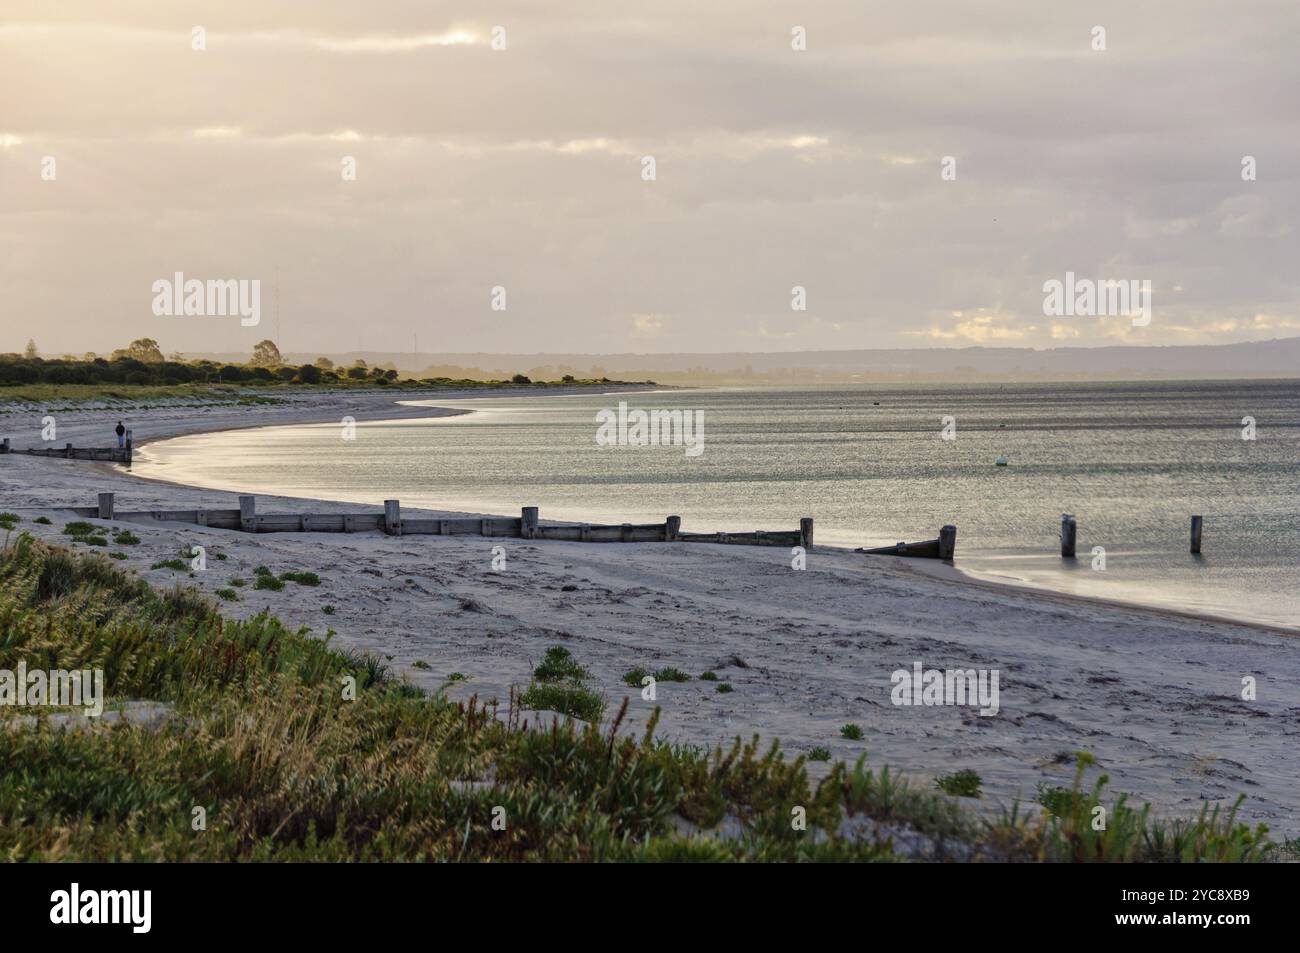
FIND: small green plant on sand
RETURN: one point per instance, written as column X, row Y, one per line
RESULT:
column 852, row 732
column 301, row 578
column 671, row 674
column 572, row 700
column 179, row 565
column 268, row 582
column 819, row 754
column 709, row 677
column 228, row 594
column 965, row 783
column 558, row 663
column 724, row 687
column 633, row 676
column 559, row 685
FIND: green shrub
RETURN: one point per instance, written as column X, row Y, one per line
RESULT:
column 558, row 663
column 572, row 700
column 179, row 565
column 301, row 578
column 268, row 582
column 633, row 676
column 965, row 783
column 671, row 674
column 709, row 677
column 852, row 732
column 228, row 594
column 43, row 520
column 819, row 754
column 724, row 687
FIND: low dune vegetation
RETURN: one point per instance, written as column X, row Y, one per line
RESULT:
column 272, row 745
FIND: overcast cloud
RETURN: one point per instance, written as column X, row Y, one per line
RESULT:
column 522, row 168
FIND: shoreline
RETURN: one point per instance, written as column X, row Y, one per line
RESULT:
column 953, row 574
column 394, row 408
column 1150, row 692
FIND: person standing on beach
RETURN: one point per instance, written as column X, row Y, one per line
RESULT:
column 121, row 434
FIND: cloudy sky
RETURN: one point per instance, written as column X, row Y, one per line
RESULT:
column 522, row 167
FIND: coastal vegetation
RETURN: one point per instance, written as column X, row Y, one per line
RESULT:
column 141, row 371
column 267, row 744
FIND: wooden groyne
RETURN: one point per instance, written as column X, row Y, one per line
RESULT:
column 391, row 522
column 69, row 452
column 944, row 547
column 1070, row 535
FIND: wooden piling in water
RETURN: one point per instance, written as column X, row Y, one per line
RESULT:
column 106, row 506
column 248, row 514
column 806, row 532
column 1196, row 535
column 1069, row 535
column 947, row 542
column 528, row 522
column 393, row 517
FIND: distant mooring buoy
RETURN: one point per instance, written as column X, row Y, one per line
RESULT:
column 1002, row 460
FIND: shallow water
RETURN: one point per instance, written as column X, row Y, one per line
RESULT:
column 1132, row 461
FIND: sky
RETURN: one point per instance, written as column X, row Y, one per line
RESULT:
column 518, row 163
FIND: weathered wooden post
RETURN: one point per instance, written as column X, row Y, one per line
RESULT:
column 947, row 542
column 106, row 506
column 129, row 444
column 248, row 514
column 672, row 528
column 1196, row 535
column 528, row 523
column 806, row 532
column 1069, row 534
column 67, row 451
column 4, row 445
column 393, row 517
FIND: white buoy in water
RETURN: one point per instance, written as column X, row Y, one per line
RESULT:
column 1002, row 460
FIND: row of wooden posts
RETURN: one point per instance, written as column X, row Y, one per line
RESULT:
column 69, row 452
column 391, row 522
column 1070, row 535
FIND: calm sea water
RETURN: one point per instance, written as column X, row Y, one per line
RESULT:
column 1132, row 461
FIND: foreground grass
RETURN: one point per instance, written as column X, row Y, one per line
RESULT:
column 286, row 749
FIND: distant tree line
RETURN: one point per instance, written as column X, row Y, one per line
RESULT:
column 143, row 362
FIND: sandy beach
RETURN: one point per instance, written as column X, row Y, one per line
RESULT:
column 1155, row 696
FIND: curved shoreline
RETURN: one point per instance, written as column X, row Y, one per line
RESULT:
column 941, row 573
column 1151, row 692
